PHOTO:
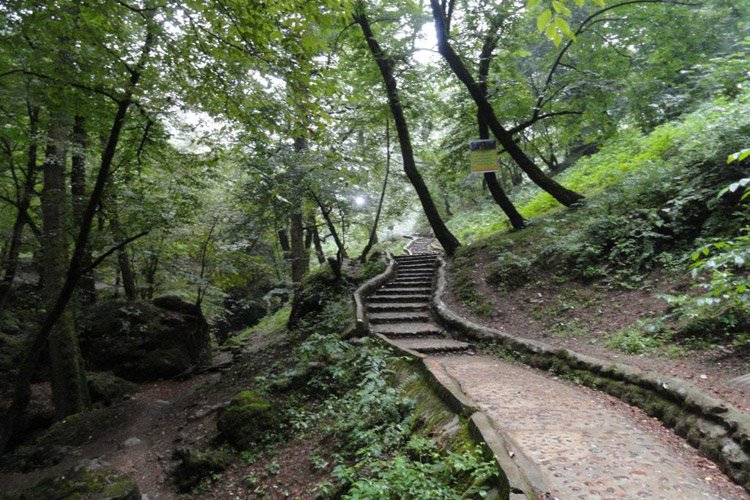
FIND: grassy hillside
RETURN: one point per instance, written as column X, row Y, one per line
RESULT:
column 650, row 223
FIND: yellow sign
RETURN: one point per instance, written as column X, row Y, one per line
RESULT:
column 483, row 156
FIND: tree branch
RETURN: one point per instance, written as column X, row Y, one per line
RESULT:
column 109, row 252
column 581, row 28
column 523, row 126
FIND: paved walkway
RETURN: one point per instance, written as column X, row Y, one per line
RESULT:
column 587, row 444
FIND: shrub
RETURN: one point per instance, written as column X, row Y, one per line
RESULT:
column 508, row 271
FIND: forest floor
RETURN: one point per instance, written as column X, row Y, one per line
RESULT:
column 139, row 435
column 583, row 317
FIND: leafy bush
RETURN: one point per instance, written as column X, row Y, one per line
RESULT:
column 458, row 475
column 508, row 271
column 723, row 308
column 642, row 337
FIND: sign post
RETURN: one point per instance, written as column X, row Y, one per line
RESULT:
column 483, row 156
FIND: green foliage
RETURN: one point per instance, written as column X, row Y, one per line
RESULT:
column 508, row 271
column 721, row 311
column 642, row 337
column 247, row 418
column 430, row 475
column 373, row 424
column 271, row 325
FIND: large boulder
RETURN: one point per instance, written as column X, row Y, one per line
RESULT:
column 140, row 341
column 94, row 479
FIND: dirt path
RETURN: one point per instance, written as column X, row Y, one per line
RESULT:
column 135, row 436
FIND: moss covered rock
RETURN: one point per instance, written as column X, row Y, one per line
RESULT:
column 247, row 417
column 509, row 271
column 93, row 479
column 108, row 388
column 195, row 466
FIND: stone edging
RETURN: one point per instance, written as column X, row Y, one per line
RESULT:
column 518, row 476
column 361, row 293
column 716, row 428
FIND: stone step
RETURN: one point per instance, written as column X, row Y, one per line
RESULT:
column 409, row 284
column 416, row 255
column 432, row 345
column 403, row 273
column 417, row 265
column 422, row 275
column 394, row 297
column 407, row 329
column 416, row 262
column 375, row 317
column 410, row 280
column 387, row 289
column 393, row 307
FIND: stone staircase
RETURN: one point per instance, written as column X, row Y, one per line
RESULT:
column 400, row 309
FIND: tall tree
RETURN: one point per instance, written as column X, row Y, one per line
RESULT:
column 69, row 389
column 487, row 113
column 72, row 274
column 24, row 195
column 496, row 190
column 448, row 241
column 87, row 286
column 373, row 238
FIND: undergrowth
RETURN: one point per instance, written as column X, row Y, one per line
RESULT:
column 347, row 394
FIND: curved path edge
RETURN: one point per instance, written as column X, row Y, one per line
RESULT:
column 716, row 428
column 519, row 477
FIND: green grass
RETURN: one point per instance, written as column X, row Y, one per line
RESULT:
column 271, row 325
column 707, row 135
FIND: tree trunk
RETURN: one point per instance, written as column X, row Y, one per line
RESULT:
column 284, row 242
column 69, row 389
column 300, row 259
column 331, row 227
column 559, row 192
column 515, row 218
column 149, row 275
column 490, row 178
column 300, row 262
column 10, row 262
column 22, row 390
column 449, row 242
column 316, row 239
column 86, row 287
column 447, row 206
column 374, row 231
column 128, row 277
column 123, row 261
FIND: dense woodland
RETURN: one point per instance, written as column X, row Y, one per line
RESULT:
column 178, row 178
